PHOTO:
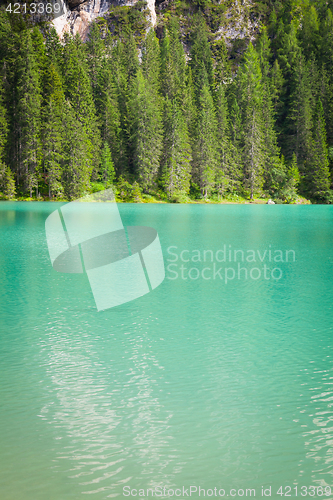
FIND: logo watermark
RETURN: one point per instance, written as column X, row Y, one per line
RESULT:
column 227, row 264
column 87, row 235
column 198, row 491
column 189, row 491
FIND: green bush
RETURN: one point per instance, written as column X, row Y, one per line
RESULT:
column 7, row 182
column 179, row 197
column 124, row 190
column 95, row 187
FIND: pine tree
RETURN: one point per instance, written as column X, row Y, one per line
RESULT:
column 78, row 91
column 205, row 148
column 53, row 135
column 38, row 44
column 151, row 60
column 168, row 76
column 276, row 86
column 3, row 123
column 107, row 167
column 95, row 49
column 189, row 105
column 28, row 112
column 176, row 164
column 327, row 39
column 293, row 172
column 274, row 172
column 228, row 173
column 130, row 59
column 310, row 31
column 273, row 24
column 53, row 47
column 146, row 131
column 6, row 37
column 115, row 79
column 178, row 57
column 201, row 57
column 251, row 95
column 327, row 74
column 292, row 179
column 235, row 122
column 318, row 174
column 7, row 182
column 77, row 163
column 264, row 54
column 176, row 161
column 222, row 72
column 173, row 63
column 299, row 121
column 289, row 50
column 124, row 66
column 109, row 114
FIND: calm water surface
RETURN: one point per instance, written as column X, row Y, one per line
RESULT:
column 200, row 382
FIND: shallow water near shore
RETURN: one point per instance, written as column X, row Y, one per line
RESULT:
column 221, row 377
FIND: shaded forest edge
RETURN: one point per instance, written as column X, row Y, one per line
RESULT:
column 176, row 115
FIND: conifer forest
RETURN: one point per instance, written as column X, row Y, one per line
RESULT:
column 174, row 112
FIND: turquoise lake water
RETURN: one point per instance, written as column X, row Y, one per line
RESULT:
column 202, row 382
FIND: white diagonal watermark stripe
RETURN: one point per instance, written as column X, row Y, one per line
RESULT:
column 87, row 235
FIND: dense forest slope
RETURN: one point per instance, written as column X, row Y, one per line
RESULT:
column 177, row 99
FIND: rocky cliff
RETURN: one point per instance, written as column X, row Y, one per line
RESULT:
column 236, row 21
column 80, row 13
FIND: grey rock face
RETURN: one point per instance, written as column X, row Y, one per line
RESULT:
column 104, row 4
column 72, row 4
column 80, row 13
